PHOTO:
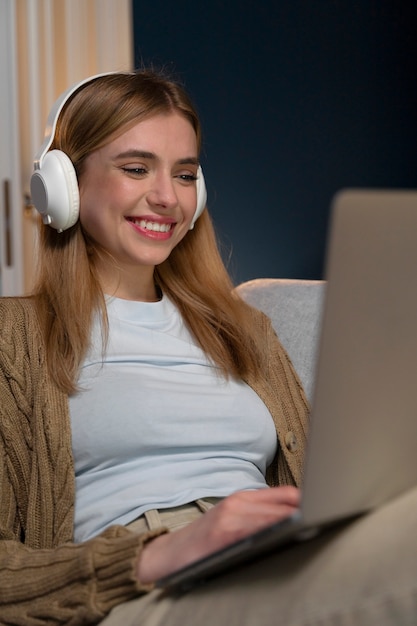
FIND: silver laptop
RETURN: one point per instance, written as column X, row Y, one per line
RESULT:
column 362, row 444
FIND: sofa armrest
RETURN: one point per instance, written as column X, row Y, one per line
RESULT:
column 295, row 309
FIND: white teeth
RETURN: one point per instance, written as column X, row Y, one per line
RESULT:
column 159, row 228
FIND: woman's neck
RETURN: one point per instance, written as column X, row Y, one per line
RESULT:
column 137, row 285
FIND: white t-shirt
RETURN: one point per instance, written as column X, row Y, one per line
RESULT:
column 156, row 425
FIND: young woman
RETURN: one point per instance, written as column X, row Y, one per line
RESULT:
column 139, row 394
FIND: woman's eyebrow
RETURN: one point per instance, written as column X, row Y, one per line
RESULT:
column 131, row 154
column 144, row 154
column 189, row 161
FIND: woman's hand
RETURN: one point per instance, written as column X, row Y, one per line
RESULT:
column 235, row 517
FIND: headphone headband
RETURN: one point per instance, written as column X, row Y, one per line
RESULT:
column 54, row 114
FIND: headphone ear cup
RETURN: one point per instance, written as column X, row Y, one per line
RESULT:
column 54, row 191
column 201, row 196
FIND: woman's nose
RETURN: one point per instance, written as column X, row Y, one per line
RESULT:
column 162, row 192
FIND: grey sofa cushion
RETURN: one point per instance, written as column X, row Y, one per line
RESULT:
column 295, row 309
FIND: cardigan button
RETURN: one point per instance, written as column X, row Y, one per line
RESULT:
column 291, row 441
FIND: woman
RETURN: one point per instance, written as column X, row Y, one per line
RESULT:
column 139, row 393
column 134, row 256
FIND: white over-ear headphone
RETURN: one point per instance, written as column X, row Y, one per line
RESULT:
column 53, row 184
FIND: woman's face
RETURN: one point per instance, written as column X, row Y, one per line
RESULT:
column 138, row 197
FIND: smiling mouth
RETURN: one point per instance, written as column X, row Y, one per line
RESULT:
column 155, row 227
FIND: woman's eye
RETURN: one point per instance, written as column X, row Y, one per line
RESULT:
column 134, row 171
column 187, row 177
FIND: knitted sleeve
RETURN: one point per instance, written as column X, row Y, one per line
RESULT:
column 75, row 584
column 44, row 577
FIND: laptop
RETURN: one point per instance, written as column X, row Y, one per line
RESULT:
column 362, row 443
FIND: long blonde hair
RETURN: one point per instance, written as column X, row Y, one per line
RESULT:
column 68, row 291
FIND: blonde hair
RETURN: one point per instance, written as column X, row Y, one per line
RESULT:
column 68, row 291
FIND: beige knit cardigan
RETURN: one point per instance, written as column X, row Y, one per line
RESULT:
column 44, row 577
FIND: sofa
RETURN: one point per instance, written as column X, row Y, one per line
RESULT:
column 295, row 308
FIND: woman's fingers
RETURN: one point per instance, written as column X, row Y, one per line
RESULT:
column 273, row 495
column 246, row 512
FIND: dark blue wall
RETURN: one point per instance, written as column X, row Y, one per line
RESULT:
column 298, row 99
